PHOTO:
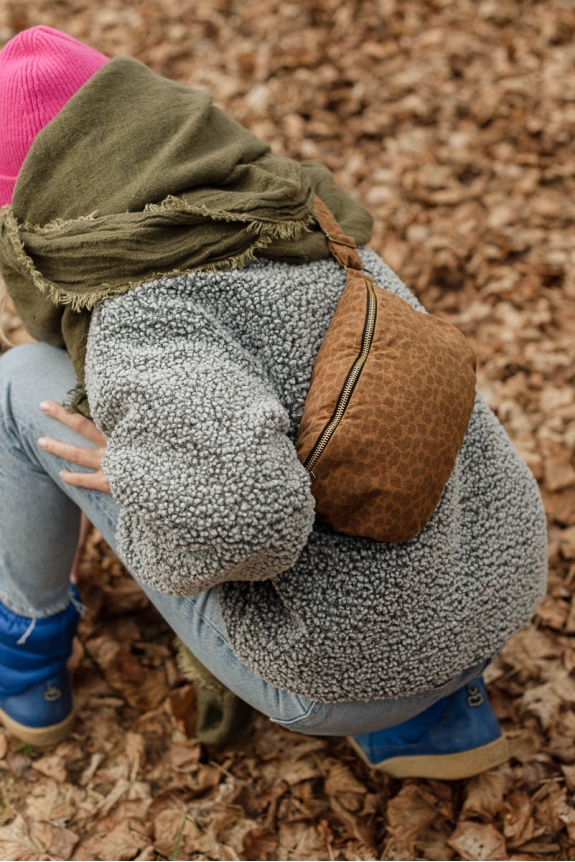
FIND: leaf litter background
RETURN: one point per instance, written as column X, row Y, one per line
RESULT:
column 454, row 123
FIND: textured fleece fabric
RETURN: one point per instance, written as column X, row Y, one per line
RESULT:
column 199, row 382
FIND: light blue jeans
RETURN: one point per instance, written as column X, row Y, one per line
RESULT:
column 39, row 524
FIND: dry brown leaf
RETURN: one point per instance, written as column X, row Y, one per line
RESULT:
column 184, row 757
column 301, row 840
column 126, row 809
column 144, row 688
column 342, row 784
column 300, row 770
column 553, row 612
column 172, row 825
column 56, row 840
column 525, row 745
column 559, row 472
column 124, row 841
column 565, row 810
column 259, row 843
column 560, row 506
column 119, row 790
column 204, row 779
column 181, row 706
column 226, row 832
column 570, row 621
column 545, row 701
column 433, row 844
column 569, row 773
column 88, row 773
column 17, row 845
column 478, row 841
column 485, row 795
column 357, row 826
column 410, row 812
column 88, row 849
column 567, row 543
column 19, row 764
column 148, row 854
column 54, row 802
column 51, row 766
column 135, row 751
column 548, row 808
column 518, row 824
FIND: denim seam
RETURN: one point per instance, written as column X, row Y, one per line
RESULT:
column 299, row 717
column 226, row 641
column 209, row 623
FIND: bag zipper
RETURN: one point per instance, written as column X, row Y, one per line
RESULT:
column 350, row 382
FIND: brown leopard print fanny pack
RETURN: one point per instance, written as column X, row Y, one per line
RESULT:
column 391, row 396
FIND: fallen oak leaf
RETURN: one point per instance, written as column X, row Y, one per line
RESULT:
column 124, row 841
column 120, row 789
column 142, row 687
column 518, row 823
column 294, row 773
column 485, row 792
column 478, row 841
column 344, row 786
column 569, row 773
column 52, row 766
column 259, row 843
column 55, row 802
column 545, row 701
column 183, row 758
column 16, row 843
column 565, row 810
column 126, row 809
column 56, row 840
column 300, row 840
column 410, row 812
column 174, row 830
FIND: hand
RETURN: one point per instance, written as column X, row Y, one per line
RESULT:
column 84, row 456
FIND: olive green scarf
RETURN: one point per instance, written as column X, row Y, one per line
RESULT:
column 139, row 177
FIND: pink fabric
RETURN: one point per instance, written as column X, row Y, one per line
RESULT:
column 40, row 69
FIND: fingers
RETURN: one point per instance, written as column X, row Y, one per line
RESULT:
column 84, row 457
column 93, row 481
column 76, row 454
column 75, row 421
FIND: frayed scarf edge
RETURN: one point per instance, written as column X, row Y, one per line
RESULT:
column 266, row 233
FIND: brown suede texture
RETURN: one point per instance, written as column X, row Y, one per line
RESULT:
column 383, row 472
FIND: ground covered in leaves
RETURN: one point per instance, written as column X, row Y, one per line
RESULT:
column 454, row 122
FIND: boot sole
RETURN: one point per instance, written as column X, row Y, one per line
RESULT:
column 443, row 767
column 38, row 736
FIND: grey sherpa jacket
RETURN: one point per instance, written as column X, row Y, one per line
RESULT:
column 199, row 383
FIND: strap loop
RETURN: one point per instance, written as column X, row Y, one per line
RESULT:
column 341, row 246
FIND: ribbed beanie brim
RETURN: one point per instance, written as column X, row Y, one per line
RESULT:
column 40, row 69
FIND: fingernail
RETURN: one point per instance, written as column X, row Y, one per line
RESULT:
column 45, row 406
column 42, row 442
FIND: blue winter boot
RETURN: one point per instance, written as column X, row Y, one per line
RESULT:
column 457, row 737
column 35, row 692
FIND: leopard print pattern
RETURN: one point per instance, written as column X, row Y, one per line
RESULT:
column 383, row 472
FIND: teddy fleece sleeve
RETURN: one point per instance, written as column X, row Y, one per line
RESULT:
column 198, row 457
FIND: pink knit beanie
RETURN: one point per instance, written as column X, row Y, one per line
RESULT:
column 40, row 69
